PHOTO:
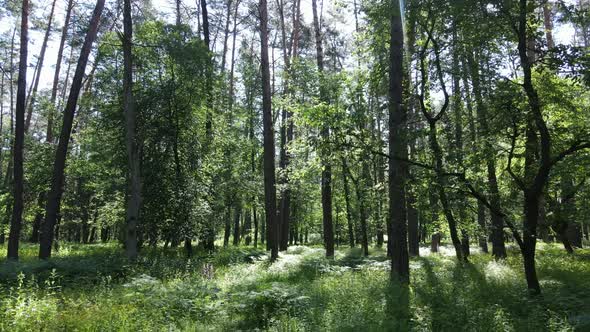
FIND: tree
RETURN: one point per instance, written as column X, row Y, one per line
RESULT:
column 19, row 138
column 400, row 269
column 37, row 77
column 268, row 133
column 133, row 160
column 325, row 134
column 54, row 197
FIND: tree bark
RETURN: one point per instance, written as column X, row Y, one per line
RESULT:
column 237, row 214
column 548, row 23
column 268, row 136
column 400, row 269
column 19, row 139
column 133, row 159
column 54, row 198
column 349, row 217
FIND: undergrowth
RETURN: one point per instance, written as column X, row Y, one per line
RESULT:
column 94, row 288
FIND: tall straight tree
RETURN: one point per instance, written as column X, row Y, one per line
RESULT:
column 209, row 241
column 133, row 162
column 270, row 194
column 287, row 124
column 19, row 138
column 54, row 197
column 325, row 133
column 400, row 268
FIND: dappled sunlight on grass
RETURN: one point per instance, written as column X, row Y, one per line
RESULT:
column 94, row 288
column 499, row 272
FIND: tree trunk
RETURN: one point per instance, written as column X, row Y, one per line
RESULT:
column 442, row 193
column 413, row 234
column 39, row 68
column 133, row 159
column 497, row 225
column 481, row 221
column 255, row 218
column 268, row 135
column 209, row 83
column 237, row 213
column 433, row 207
column 359, row 186
column 349, row 219
column 397, row 234
column 548, row 23
column 531, row 214
column 54, row 198
column 62, row 42
column 247, row 227
column 19, row 139
column 227, row 227
column 325, row 134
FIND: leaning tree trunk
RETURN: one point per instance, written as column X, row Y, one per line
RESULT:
column 19, row 138
column 39, row 68
column 54, row 197
column 54, row 88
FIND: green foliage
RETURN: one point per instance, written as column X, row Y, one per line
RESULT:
column 238, row 289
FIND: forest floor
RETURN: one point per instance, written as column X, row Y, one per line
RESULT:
column 93, row 288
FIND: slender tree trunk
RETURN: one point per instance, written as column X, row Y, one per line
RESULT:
column 349, row 219
column 209, row 83
column 433, row 207
column 209, row 241
column 133, row 159
column 413, row 233
column 227, row 228
column 54, row 88
column 2, row 86
column 178, row 16
column 9, row 173
column 255, row 218
column 247, row 227
column 283, row 212
column 226, row 33
column 39, row 68
column 359, row 187
column 497, row 225
column 49, row 133
column 237, row 214
column 325, row 134
column 19, row 138
column 268, row 135
column 54, row 198
column 473, row 141
column 548, row 23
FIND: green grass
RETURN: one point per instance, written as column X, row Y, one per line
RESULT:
column 93, row 288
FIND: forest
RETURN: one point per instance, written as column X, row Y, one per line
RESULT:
column 295, row 165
